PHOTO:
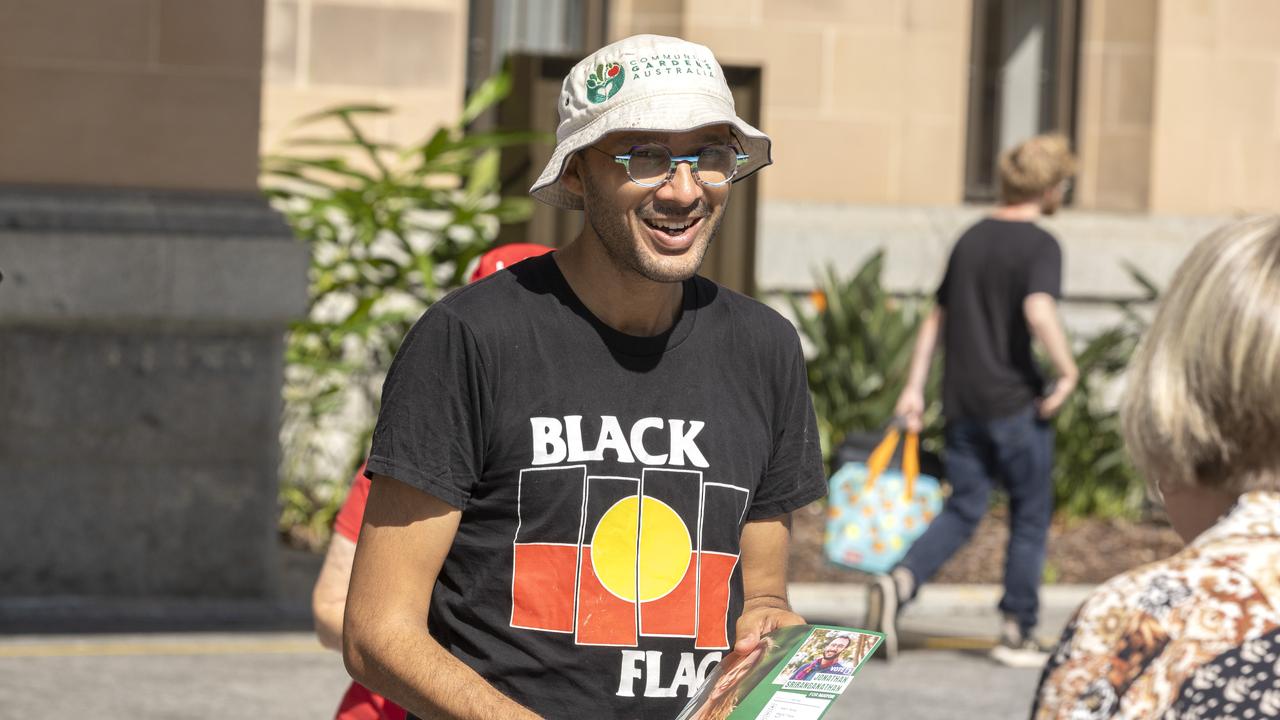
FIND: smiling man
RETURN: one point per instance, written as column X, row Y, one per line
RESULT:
column 585, row 465
column 828, row 662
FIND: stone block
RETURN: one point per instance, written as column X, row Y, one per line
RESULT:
column 798, row 237
column 102, row 529
column 1128, row 85
column 948, row 15
column 1129, row 22
column 384, row 47
column 932, row 164
column 1183, row 86
column 1249, row 25
column 283, row 105
column 103, row 31
column 224, row 35
column 65, row 126
column 867, row 13
column 936, row 80
column 418, row 114
column 280, row 51
column 793, row 61
column 820, row 160
column 699, row 14
column 176, row 396
column 1245, row 95
column 1182, row 175
column 654, row 24
column 1187, row 24
column 869, row 73
column 148, row 259
column 1124, row 171
column 141, row 364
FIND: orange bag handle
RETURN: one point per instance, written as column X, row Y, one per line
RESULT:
column 880, row 458
column 911, row 463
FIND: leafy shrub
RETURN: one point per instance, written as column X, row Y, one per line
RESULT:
column 860, row 340
column 391, row 230
column 1092, row 474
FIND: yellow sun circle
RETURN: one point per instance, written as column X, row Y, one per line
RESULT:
column 664, row 549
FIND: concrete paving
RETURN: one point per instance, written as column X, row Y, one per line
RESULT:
column 943, row 671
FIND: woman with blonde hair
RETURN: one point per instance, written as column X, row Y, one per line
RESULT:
column 1196, row 635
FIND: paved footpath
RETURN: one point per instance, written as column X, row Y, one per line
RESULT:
column 943, row 671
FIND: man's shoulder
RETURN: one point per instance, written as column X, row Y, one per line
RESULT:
column 746, row 313
column 991, row 236
column 496, row 299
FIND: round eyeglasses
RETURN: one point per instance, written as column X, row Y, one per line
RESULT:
column 653, row 165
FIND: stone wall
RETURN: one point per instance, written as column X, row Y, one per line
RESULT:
column 1217, row 107
column 147, row 286
column 799, row 239
column 865, row 100
column 140, row 371
column 130, row 93
column 407, row 54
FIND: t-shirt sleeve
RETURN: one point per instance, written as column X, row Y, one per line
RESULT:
column 431, row 427
column 941, row 294
column 1046, row 270
column 794, row 477
column 351, row 516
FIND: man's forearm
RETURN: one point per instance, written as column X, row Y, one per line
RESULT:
column 1042, row 315
column 922, row 355
column 403, row 662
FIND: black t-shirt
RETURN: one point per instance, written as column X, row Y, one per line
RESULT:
column 604, row 480
column 989, row 370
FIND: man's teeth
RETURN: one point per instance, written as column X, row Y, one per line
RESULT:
column 666, row 225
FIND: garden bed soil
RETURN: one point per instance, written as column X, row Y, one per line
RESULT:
column 1081, row 550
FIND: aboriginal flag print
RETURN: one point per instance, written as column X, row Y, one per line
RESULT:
column 612, row 559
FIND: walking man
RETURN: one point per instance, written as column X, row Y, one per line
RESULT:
column 1000, row 289
column 584, row 465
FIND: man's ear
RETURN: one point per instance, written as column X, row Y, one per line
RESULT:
column 571, row 178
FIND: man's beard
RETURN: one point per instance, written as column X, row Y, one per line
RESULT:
column 624, row 248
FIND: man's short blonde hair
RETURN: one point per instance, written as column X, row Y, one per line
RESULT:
column 1202, row 403
column 1035, row 166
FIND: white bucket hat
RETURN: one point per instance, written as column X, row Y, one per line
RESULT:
column 645, row 82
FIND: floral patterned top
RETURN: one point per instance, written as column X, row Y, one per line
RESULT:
column 1196, row 635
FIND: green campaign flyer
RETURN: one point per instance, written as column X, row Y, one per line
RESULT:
column 795, row 673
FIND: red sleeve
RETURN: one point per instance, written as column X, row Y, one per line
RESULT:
column 347, row 524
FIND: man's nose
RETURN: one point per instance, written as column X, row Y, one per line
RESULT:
column 683, row 189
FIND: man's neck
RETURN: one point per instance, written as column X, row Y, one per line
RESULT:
column 1024, row 212
column 621, row 298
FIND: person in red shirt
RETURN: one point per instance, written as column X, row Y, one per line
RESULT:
column 329, row 597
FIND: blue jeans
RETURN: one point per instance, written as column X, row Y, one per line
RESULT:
column 1017, row 451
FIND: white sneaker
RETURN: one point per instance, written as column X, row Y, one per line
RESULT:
column 1020, row 650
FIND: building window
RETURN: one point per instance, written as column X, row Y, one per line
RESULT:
column 548, row 27
column 1022, row 81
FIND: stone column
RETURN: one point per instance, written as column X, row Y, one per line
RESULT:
column 146, row 290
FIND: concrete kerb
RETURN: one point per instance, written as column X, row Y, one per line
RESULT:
column 940, row 612
column 976, row 599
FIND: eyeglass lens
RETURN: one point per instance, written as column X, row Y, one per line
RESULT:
column 651, row 164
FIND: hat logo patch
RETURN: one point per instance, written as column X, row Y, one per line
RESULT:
column 605, row 82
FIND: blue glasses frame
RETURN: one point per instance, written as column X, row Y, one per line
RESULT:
column 625, row 161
